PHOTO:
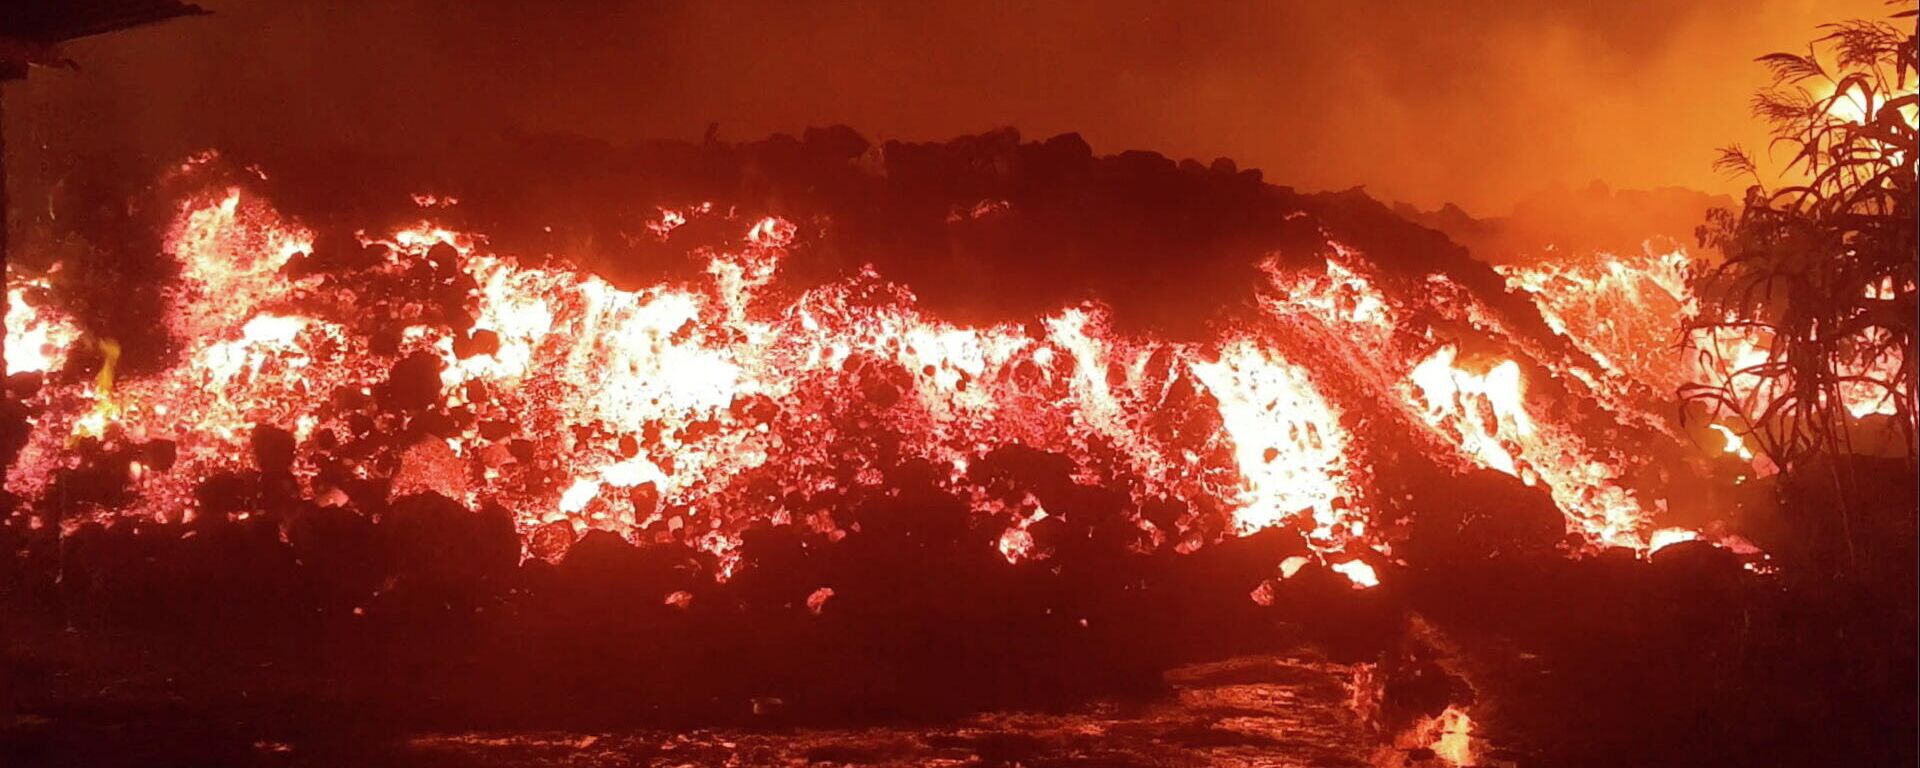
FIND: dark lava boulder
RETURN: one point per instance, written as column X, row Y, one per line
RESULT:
column 438, row 548
column 1481, row 515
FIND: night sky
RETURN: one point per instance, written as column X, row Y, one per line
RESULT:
column 1484, row 106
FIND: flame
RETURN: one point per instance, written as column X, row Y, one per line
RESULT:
column 105, row 410
column 38, row 335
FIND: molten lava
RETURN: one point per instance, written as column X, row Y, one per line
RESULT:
column 1625, row 311
column 694, row 411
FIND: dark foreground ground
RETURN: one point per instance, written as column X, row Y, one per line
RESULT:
column 1249, row 711
column 144, row 646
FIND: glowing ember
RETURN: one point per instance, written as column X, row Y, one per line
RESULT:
column 1666, row 537
column 1016, row 544
column 1359, row 573
column 1449, row 735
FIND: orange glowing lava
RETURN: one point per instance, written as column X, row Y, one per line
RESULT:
column 693, row 411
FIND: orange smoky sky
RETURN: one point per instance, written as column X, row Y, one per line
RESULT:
column 1481, row 104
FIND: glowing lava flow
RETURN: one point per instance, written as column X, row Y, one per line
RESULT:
column 1623, row 311
column 670, row 412
column 1287, row 443
column 1482, row 411
column 692, row 412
